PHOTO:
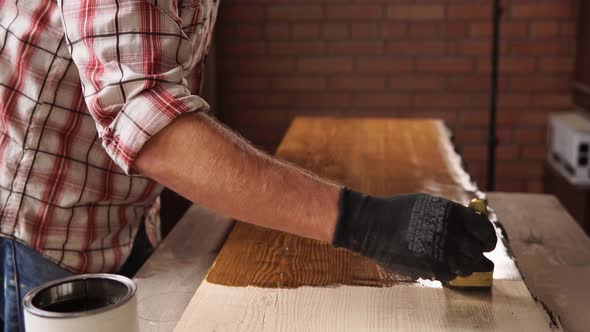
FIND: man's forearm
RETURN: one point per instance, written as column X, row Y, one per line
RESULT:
column 210, row 165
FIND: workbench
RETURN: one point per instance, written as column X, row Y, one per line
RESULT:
column 552, row 252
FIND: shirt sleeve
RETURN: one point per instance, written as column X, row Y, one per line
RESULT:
column 132, row 57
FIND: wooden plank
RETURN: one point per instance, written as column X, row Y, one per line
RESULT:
column 380, row 156
column 552, row 252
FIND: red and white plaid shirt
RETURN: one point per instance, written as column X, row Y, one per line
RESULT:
column 83, row 85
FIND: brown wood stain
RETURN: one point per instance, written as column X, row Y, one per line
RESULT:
column 378, row 156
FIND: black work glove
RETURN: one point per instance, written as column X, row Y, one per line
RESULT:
column 418, row 235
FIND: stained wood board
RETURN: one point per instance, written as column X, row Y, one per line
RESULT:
column 266, row 280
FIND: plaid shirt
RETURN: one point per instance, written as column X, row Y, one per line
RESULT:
column 83, row 85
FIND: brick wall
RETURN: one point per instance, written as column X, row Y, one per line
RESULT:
column 420, row 58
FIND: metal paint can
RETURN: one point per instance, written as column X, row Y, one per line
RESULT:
column 87, row 302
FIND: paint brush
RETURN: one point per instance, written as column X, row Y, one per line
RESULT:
column 483, row 275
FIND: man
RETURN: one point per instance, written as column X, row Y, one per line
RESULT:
column 97, row 108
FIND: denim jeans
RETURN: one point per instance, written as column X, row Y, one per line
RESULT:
column 23, row 269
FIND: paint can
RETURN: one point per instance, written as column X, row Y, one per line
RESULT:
column 87, row 302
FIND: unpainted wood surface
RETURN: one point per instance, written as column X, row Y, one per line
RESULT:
column 378, row 156
column 357, row 308
column 552, row 251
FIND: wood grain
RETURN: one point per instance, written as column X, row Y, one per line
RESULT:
column 378, row 156
column 266, row 258
column 348, row 308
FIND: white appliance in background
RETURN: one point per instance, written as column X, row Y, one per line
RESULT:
column 569, row 146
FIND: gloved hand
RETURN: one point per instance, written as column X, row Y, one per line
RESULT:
column 419, row 235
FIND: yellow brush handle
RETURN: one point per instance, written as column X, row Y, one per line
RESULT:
column 479, row 205
column 477, row 279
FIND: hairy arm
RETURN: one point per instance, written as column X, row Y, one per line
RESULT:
column 210, row 165
column 415, row 234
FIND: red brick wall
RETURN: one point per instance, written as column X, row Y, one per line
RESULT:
column 420, row 58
